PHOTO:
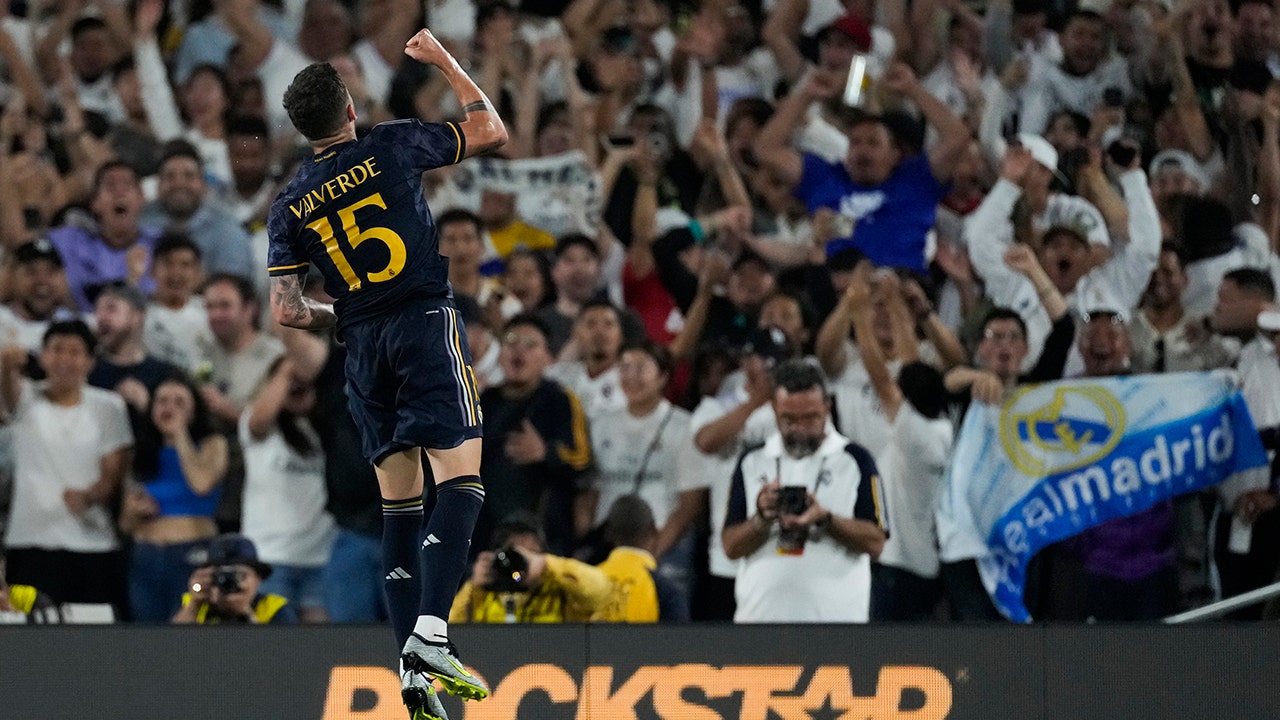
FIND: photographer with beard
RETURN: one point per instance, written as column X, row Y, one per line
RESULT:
column 806, row 513
column 517, row 580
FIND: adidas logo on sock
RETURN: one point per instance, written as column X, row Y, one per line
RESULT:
column 398, row 574
column 431, row 540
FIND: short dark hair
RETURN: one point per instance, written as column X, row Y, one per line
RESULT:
column 528, row 320
column 1003, row 313
column 629, row 522
column 71, row 328
column 597, row 303
column 459, row 215
column 521, row 522
column 576, row 240
column 799, row 375
column 549, row 114
column 248, row 126
column 1079, row 121
column 758, row 110
column 1254, row 282
column 243, row 286
column 180, row 149
column 1088, row 15
column 922, row 386
column 317, row 101
column 660, row 355
column 173, row 241
column 107, row 167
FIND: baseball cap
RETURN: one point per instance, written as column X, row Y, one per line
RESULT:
column 852, row 27
column 1099, row 301
column 1180, row 160
column 232, row 549
column 38, row 249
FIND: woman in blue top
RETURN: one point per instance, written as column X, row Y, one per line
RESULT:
column 177, row 469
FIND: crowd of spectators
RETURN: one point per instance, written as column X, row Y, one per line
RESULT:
column 707, row 268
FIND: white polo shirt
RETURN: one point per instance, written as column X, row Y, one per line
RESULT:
column 827, row 583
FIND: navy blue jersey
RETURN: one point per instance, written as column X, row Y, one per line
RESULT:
column 358, row 213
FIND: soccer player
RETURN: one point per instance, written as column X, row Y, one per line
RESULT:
column 357, row 211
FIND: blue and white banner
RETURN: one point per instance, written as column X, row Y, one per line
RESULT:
column 1058, row 458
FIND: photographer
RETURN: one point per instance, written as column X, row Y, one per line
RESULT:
column 805, row 513
column 224, row 589
column 517, row 581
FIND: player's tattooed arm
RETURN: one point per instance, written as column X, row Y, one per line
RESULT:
column 293, row 309
column 490, row 138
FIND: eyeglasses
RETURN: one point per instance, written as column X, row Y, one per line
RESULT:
column 528, row 342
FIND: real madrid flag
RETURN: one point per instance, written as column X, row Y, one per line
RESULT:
column 1058, row 458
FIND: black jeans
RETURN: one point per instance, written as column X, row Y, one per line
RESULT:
column 1109, row 599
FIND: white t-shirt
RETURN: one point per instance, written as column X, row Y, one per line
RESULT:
column 176, row 336
column 284, row 499
column 57, row 449
column 715, row 472
column 861, row 417
column 17, row 331
column 827, row 582
column 598, row 395
column 377, row 73
column 623, row 444
column 913, row 471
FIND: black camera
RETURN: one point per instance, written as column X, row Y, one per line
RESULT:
column 226, row 580
column 510, row 569
column 793, row 499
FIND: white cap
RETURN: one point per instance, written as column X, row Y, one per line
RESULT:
column 1180, row 160
column 1099, row 300
column 1269, row 321
column 1040, row 149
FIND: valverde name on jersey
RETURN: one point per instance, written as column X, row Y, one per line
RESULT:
column 336, row 187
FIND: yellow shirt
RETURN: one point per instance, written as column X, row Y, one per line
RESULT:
column 635, row 596
column 23, row 598
column 571, row 591
column 517, row 234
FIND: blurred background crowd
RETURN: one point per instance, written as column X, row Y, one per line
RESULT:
column 695, row 194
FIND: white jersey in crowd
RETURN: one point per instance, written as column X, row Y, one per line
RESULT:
column 284, row 499
column 913, row 471
column 176, row 336
column 1055, row 89
column 57, row 449
column 861, row 417
column 1253, row 249
column 650, row 456
column 988, row 233
column 827, row 583
column 29, row 334
column 599, row 394
column 715, row 471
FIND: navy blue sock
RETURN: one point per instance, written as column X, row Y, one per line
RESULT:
column 402, row 576
column 447, row 543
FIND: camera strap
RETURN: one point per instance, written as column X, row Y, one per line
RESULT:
column 648, row 453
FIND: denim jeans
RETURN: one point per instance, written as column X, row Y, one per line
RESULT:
column 353, row 579
column 158, row 576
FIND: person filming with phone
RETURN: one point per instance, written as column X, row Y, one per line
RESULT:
column 224, row 588
column 806, row 513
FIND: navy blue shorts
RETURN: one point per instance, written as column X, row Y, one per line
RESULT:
column 409, row 380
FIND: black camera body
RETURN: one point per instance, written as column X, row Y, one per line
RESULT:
column 793, row 499
column 510, row 569
column 227, row 580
